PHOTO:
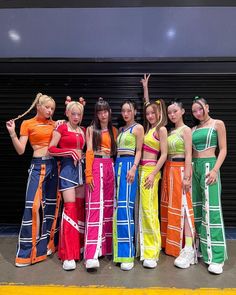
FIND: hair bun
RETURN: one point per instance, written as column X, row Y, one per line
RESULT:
column 82, row 101
column 68, row 100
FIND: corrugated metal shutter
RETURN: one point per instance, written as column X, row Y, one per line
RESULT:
column 18, row 91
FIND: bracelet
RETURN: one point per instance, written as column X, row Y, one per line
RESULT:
column 214, row 170
column 13, row 135
column 135, row 165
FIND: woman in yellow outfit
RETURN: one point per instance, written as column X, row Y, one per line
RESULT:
column 154, row 154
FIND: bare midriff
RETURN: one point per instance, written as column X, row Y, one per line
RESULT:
column 209, row 153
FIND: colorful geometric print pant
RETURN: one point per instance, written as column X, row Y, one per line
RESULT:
column 99, row 206
column 123, row 226
column 39, row 228
column 208, row 213
column 149, row 226
column 175, row 206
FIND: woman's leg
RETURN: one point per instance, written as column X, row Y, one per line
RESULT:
column 69, row 242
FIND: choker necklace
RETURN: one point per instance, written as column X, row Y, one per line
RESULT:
column 203, row 122
column 72, row 128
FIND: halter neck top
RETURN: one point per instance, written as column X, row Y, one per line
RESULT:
column 204, row 138
column 126, row 140
column 151, row 143
column 176, row 142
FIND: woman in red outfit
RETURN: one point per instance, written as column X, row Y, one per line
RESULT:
column 68, row 142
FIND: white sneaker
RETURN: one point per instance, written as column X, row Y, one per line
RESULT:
column 22, row 264
column 216, row 268
column 150, row 263
column 126, row 265
column 185, row 259
column 69, row 264
column 49, row 252
column 92, row 263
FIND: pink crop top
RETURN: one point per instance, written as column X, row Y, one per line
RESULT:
column 151, row 143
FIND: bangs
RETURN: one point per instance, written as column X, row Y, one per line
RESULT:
column 102, row 106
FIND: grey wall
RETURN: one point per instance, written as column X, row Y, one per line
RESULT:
column 118, row 32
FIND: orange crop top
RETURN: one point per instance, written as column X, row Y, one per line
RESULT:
column 106, row 140
column 39, row 131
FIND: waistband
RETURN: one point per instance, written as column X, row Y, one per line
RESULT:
column 125, row 156
column 177, row 160
column 103, row 156
column 43, row 158
column 204, row 159
column 145, row 162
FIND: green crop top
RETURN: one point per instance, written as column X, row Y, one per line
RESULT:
column 176, row 142
column 204, row 138
column 126, row 141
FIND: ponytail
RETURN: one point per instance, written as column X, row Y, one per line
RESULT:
column 39, row 99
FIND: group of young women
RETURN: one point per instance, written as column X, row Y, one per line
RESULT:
column 116, row 212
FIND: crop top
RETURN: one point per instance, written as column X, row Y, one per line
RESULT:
column 39, row 131
column 126, row 140
column 151, row 143
column 176, row 142
column 68, row 142
column 106, row 140
column 204, row 138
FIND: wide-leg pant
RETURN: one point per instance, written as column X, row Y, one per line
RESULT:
column 208, row 212
column 149, row 226
column 99, row 210
column 123, row 226
column 42, row 198
column 175, row 206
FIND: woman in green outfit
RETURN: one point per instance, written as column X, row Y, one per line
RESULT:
column 206, row 185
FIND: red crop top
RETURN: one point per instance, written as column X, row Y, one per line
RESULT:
column 69, row 141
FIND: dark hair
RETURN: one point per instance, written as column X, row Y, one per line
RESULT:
column 102, row 105
column 130, row 103
column 200, row 101
column 180, row 104
column 175, row 101
column 158, row 106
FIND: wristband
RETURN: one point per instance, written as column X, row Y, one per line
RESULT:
column 13, row 135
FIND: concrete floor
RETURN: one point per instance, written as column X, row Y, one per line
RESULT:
column 109, row 275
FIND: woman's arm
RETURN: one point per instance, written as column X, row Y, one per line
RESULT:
column 149, row 181
column 139, row 133
column 89, row 158
column 61, row 152
column 187, row 137
column 18, row 143
column 144, row 82
column 222, row 142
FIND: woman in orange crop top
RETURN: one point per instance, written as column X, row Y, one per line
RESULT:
column 68, row 142
column 206, row 185
column 37, row 237
column 154, row 154
column 100, row 180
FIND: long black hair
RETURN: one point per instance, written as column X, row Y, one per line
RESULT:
column 102, row 105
